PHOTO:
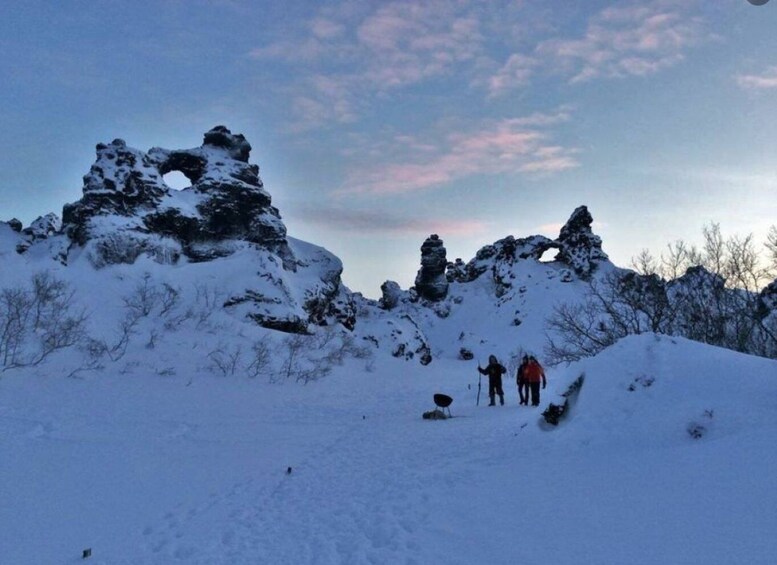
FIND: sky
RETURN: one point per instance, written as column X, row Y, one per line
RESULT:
column 376, row 124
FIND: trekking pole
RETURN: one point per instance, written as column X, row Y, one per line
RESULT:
column 480, row 377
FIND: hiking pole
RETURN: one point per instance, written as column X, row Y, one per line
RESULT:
column 480, row 377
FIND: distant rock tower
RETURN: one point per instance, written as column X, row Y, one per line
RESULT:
column 579, row 247
column 431, row 283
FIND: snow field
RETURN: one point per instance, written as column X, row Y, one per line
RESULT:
column 149, row 469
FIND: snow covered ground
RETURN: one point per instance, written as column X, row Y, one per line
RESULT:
column 161, row 469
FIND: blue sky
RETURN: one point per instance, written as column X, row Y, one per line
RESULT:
column 376, row 124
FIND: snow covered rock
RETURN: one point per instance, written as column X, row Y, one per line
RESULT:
column 430, row 283
column 391, row 295
column 126, row 201
column 578, row 246
column 502, row 252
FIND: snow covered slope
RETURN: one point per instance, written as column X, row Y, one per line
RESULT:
column 169, row 469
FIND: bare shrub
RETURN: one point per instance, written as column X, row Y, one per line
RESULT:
column 226, row 359
column 38, row 320
column 771, row 246
column 144, row 297
column 260, row 358
column 208, row 299
column 715, row 301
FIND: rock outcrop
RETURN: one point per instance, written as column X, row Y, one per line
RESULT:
column 391, row 294
column 502, row 252
column 430, row 283
column 128, row 210
column 578, row 246
column 767, row 300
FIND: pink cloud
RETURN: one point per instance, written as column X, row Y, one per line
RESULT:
column 503, row 147
column 764, row 81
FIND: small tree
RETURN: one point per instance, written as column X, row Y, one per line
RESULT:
column 38, row 320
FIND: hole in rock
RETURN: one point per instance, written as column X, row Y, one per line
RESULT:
column 549, row 255
column 176, row 180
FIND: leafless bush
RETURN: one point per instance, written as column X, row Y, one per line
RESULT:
column 715, row 300
column 38, row 320
column 302, row 361
column 575, row 331
column 645, row 263
column 335, row 346
column 226, row 359
column 208, row 299
column 771, row 246
column 260, row 358
column 169, row 297
column 144, row 297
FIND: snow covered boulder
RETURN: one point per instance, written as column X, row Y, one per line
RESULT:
column 391, row 295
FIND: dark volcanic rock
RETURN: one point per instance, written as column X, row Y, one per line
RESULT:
column 430, row 283
column 125, row 198
column 578, row 246
column 499, row 254
column 767, row 300
column 43, row 228
column 391, row 295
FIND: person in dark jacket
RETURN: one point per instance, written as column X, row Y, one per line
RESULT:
column 494, row 370
column 534, row 374
column 520, row 380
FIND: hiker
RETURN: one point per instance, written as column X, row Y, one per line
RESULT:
column 520, row 380
column 494, row 370
column 534, row 374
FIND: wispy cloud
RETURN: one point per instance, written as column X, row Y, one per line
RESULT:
column 353, row 57
column 764, row 81
column 515, row 73
column 635, row 39
column 371, row 221
column 506, row 146
column 357, row 57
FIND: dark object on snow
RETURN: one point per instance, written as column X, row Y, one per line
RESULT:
column 554, row 413
column 86, row 553
column 288, row 470
column 443, row 401
column 696, row 431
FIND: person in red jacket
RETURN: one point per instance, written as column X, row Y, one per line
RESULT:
column 494, row 370
column 534, row 375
